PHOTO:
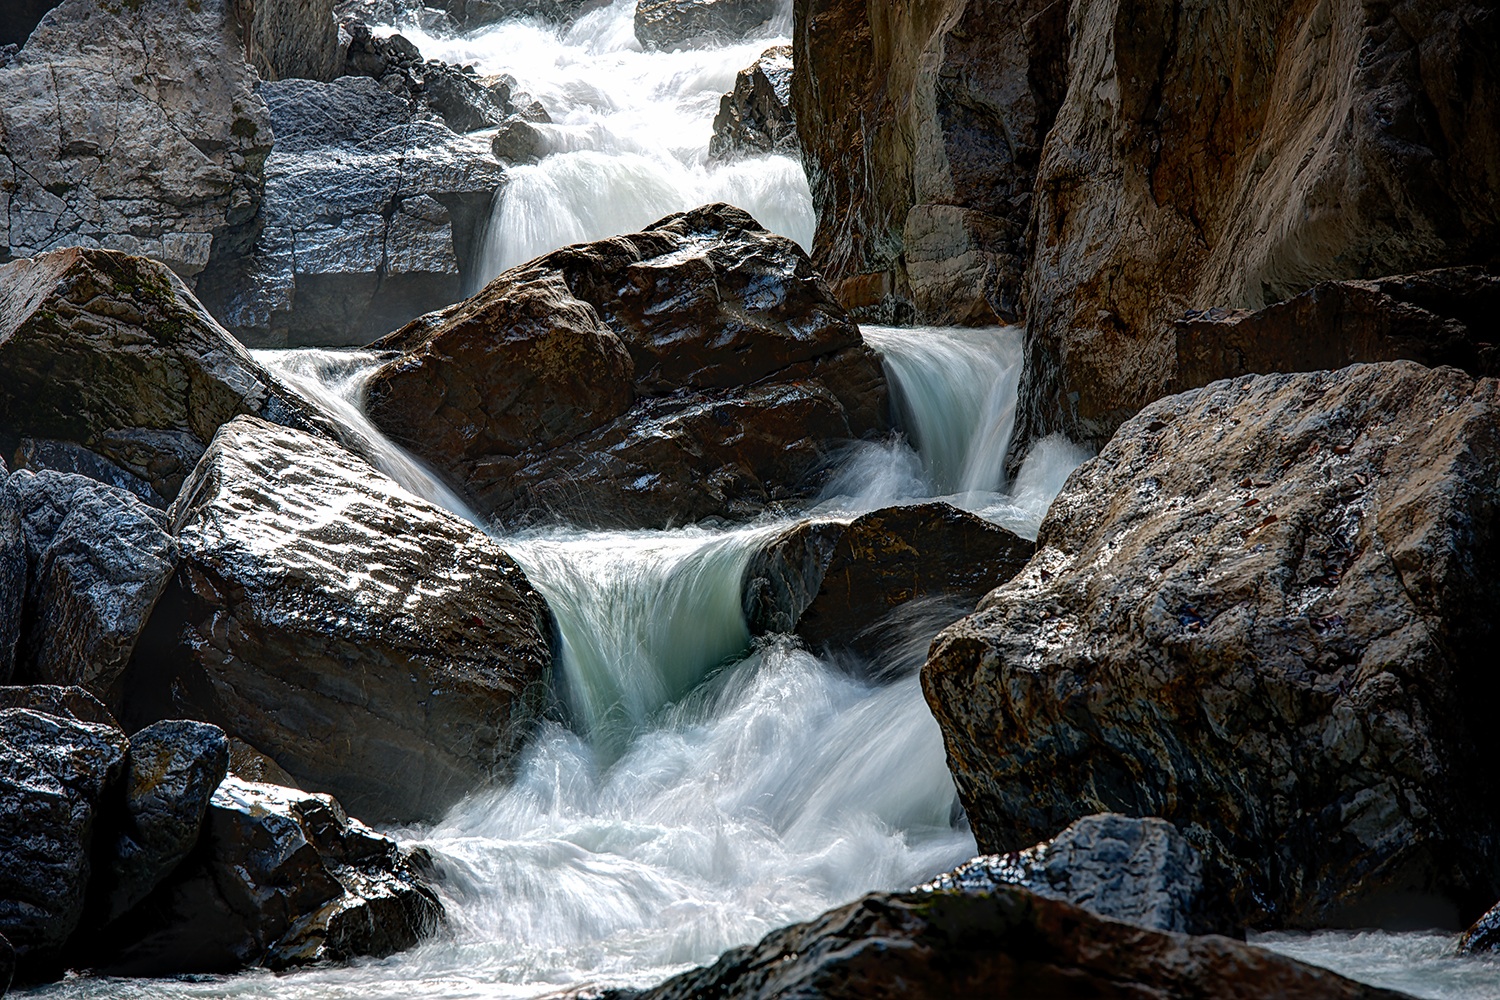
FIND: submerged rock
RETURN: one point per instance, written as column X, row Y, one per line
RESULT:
column 1003, row 943
column 1259, row 614
column 281, row 878
column 1141, row 871
column 836, row 583
column 113, row 353
column 679, row 24
column 699, row 368
column 372, row 644
column 756, row 117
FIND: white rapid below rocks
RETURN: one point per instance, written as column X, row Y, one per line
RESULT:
column 629, row 139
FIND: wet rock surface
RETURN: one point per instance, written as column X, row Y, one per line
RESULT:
column 837, row 583
column 1004, row 943
column 756, row 117
column 281, row 878
column 113, row 353
column 1257, row 615
column 344, row 627
column 1141, row 871
column 739, row 375
column 676, row 24
column 42, row 455
column 98, row 561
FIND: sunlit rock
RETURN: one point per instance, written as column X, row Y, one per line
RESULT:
column 679, row 24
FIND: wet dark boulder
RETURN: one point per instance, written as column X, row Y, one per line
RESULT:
column 99, row 560
column 113, row 353
column 756, row 117
column 1262, row 615
column 1141, row 871
column 1005, row 943
column 836, row 583
column 12, row 585
column 679, row 24
column 7, row 965
column 1483, row 937
column 346, row 628
column 53, row 699
column 280, row 878
column 55, row 770
column 744, row 373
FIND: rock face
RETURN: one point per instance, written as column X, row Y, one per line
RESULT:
column 921, row 129
column 1141, row 871
column 35, row 455
column 835, row 583
column 344, row 627
column 281, row 878
column 134, row 127
column 370, row 213
column 99, row 559
column 756, row 117
column 54, row 770
column 678, row 24
column 12, row 584
column 699, row 368
column 1007, row 943
column 291, row 38
column 1346, row 143
column 1271, row 636
column 1435, row 318
column 112, row 352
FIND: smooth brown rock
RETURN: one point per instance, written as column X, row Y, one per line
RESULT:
column 1007, row 943
column 1261, row 614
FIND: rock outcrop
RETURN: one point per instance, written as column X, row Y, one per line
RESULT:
column 1005, row 943
column 1348, row 141
column 348, row 629
column 756, row 117
column 680, row 24
column 699, row 368
column 99, row 559
column 112, row 352
column 836, row 583
column 1259, row 615
column 370, row 216
column 134, row 127
column 291, row 38
column 921, row 129
column 1141, row 871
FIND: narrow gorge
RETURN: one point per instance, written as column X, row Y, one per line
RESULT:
column 748, row 498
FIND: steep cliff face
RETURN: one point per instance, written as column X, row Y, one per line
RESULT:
column 921, row 127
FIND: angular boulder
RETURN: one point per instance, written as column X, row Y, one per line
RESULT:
column 281, row 878
column 1259, row 614
column 113, row 353
column 679, row 24
column 372, row 644
column 1005, row 943
column 699, row 368
column 835, row 583
column 756, row 117
column 1141, row 871
column 99, row 560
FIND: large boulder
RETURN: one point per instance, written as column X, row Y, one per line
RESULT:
column 1004, row 943
column 99, row 559
column 679, row 24
column 132, row 126
column 1141, row 871
column 756, row 117
column 281, row 878
column 54, row 773
column 1350, row 140
column 699, row 368
column 836, row 583
column 1261, row 614
column 921, row 128
column 112, row 352
column 372, row 644
column 371, row 214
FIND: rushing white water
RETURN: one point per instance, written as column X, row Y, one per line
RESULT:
column 630, row 136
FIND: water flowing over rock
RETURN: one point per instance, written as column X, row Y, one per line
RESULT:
column 1005, row 943
column 134, row 127
column 921, row 129
column 675, row 24
column 699, row 368
column 1141, row 871
column 837, row 583
column 370, row 214
column 1259, row 614
column 113, row 352
column 756, row 117
column 374, row 645
column 99, row 559
column 1349, row 141
column 282, row 878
